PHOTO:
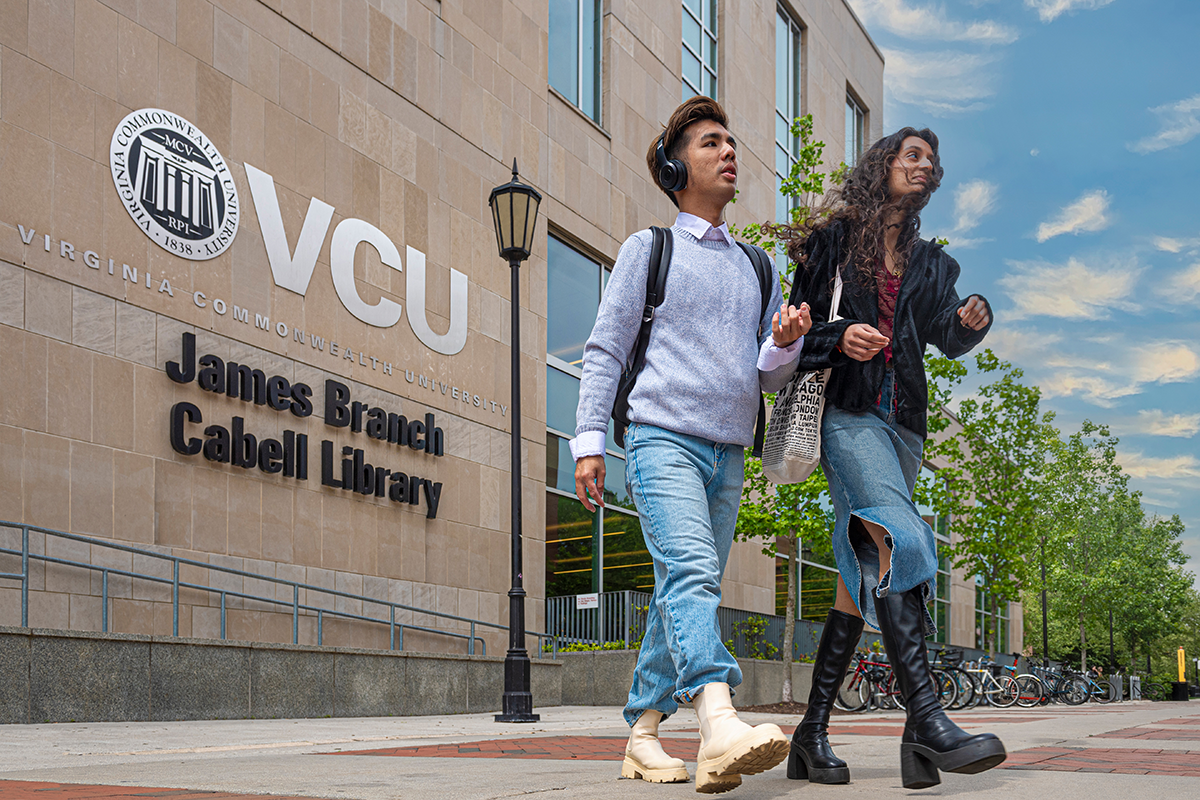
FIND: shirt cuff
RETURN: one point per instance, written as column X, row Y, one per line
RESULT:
column 588, row 443
column 771, row 357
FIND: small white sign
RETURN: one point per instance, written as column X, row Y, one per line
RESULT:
column 587, row 601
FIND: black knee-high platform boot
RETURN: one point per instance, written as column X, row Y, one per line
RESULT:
column 811, row 756
column 931, row 741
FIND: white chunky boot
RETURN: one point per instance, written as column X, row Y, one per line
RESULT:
column 644, row 756
column 729, row 748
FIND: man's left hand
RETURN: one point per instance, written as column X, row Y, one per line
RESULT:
column 974, row 314
column 789, row 324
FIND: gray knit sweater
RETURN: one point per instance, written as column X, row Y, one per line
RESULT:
column 700, row 375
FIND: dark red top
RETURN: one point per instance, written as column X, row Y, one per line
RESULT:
column 889, row 288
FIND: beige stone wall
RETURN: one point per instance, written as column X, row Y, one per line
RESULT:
column 403, row 113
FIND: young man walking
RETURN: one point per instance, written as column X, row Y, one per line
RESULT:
column 691, row 412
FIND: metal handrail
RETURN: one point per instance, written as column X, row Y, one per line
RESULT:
column 395, row 642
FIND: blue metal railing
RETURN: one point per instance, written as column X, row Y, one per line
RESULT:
column 396, row 629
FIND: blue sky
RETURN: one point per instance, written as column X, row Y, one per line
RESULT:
column 1070, row 135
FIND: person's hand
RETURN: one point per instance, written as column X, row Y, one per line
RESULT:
column 974, row 314
column 589, row 480
column 861, row 342
column 790, row 323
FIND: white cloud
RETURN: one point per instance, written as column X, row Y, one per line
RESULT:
column 1163, row 362
column 1050, row 10
column 1143, row 466
column 972, row 202
column 1093, row 388
column 1180, row 124
column 1158, row 423
column 1087, row 214
column 966, row 242
column 1023, row 346
column 1168, row 245
column 940, row 83
column 1070, row 291
column 1035, row 152
column 1184, row 287
column 930, row 22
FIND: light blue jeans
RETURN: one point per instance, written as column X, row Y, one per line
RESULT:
column 871, row 462
column 687, row 491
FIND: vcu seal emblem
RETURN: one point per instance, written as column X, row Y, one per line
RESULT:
column 174, row 183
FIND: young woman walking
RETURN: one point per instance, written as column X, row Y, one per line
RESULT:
column 898, row 296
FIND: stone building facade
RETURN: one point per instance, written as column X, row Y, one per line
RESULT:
column 299, row 188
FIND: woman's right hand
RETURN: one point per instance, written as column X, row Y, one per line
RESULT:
column 861, row 342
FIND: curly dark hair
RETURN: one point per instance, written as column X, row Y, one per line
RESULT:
column 863, row 203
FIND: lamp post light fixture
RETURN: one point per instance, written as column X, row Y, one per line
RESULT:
column 514, row 211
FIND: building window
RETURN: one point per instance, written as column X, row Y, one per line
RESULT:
column 940, row 607
column 699, row 48
column 855, row 130
column 787, row 109
column 575, row 53
column 984, row 622
column 585, row 552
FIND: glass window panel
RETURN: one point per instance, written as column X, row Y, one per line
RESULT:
column 782, row 32
column 590, row 60
column 560, row 467
column 781, row 130
column 615, row 492
column 819, row 550
column 818, row 589
column 570, row 535
column 710, row 18
column 710, row 84
column 564, row 49
column 573, row 298
column 710, row 52
column 783, row 165
column 850, row 153
column 691, row 33
column 627, row 563
column 691, row 69
column 694, row 5
column 781, row 203
column 562, row 400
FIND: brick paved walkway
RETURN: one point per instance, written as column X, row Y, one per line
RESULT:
column 1183, row 763
column 1151, row 732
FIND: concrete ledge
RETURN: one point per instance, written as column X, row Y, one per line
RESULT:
column 82, row 676
column 603, row 677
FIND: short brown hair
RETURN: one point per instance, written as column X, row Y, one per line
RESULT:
column 675, row 136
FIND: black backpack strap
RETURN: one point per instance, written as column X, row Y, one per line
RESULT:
column 762, row 267
column 656, row 283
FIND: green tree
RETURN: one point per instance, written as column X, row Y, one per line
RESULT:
column 1086, row 510
column 995, row 446
column 784, row 514
column 780, row 516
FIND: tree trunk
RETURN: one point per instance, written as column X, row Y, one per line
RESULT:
column 1082, row 643
column 789, row 622
column 993, row 625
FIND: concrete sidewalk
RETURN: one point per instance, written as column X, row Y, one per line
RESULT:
column 574, row 752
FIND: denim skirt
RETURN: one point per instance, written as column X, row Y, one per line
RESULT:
column 872, row 462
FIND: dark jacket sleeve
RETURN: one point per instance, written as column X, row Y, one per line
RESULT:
column 947, row 331
column 813, row 284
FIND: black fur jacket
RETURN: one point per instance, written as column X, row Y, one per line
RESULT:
column 926, row 313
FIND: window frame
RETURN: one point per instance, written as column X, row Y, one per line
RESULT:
column 586, row 72
column 855, row 106
column 576, row 372
column 711, row 31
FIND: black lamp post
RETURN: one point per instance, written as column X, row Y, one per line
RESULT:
column 514, row 211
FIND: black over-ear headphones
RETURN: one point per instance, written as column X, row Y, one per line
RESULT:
column 672, row 173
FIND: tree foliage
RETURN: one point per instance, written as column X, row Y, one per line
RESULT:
column 991, row 489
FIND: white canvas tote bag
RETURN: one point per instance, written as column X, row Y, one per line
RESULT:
column 792, row 449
